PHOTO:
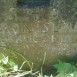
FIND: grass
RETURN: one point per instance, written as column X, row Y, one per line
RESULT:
column 9, row 67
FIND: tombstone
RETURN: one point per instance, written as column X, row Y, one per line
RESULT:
column 36, row 33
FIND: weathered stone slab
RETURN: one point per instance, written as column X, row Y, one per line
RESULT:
column 36, row 31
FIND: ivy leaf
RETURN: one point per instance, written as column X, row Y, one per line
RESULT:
column 5, row 60
column 63, row 67
column 46, row 76
column 12, row 63
column 15, row 68
column 2, row 69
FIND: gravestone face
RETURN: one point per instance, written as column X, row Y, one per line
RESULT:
column 37, row 32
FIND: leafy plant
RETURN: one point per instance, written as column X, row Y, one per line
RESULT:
column 8, row 66
column 65, row 69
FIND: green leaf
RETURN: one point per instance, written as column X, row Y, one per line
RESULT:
column 12, row 63
column 15, row 68
column 2, row 69
column 63, row 67
column 5, row 60
column 46, row 76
